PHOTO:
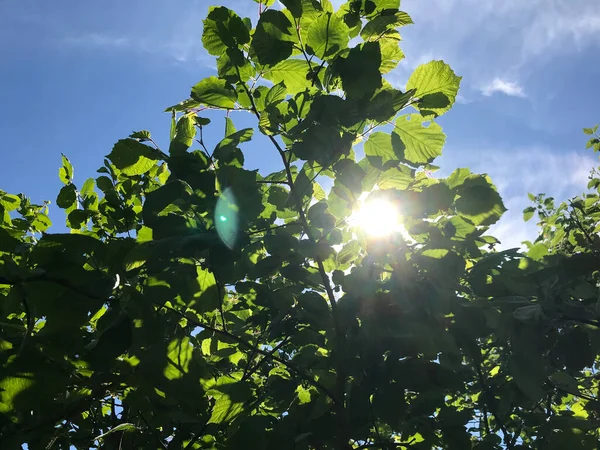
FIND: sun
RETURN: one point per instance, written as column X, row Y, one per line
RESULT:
column 377, row 218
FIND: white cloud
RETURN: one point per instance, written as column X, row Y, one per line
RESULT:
column 482, row 39
column 510, row 88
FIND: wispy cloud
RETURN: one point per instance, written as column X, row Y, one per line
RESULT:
column 482, row 39
column 179, row 47
column 155, row 28
column 510, row 88
column 98, row 40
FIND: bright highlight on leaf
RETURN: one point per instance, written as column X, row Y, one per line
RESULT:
column 377, row 218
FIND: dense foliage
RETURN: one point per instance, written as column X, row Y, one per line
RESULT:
column 196, row 304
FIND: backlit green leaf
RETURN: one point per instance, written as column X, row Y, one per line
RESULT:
column 436, row 86
column 133, row 158
column 214, row 92
column 293, row 72
column 67, row 197
column 273, row 38
column 327, row 36
column 423, row 143
column 387, row 20
column 65, row 173
column 479, row 202
column 380, row 145
column 223, row 29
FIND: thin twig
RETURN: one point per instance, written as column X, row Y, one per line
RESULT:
column 490, row 397
column 221, row 293
column 162, row 154
column 28, row 317
column 275, row 349
column 153, row 432
column 264, row 230
column 249, row 346
column 272, row 182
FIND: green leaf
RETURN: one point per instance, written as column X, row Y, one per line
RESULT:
column 391, row 54
column 201, row 121
column 528, row 372
column 359, row 70
column 223, row 29
column 104, row 183
column 11, row 387
column 383, row 23
column 350, row 175
column 292, row 72
column 537, row 251
column 565, row 381
column 395, row 178
column 65, row 173
column 133, row 158
column 590, row 131
column 225, row 410
column 233, row 66
column 348, row 253
column 479, row 201
column 67, row 197
column 230, row 401
column 273, row 38
column 88, row 188
column 529, row 314
column 121, row 427
column 303, row 395
column 227, row 152
column 142, row 135
column 423, row 143
column 374, row 7
column 457, row 178
column 185, row 132
column 327, row 36
column 322, row 144
column 436, row 86
column 528, row 213
column 276, row 94
column 318, row 192
column 379, row 145
column 214, row 92
column 9, row 202
column 183, row 106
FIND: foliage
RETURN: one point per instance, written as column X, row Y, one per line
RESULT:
column 196, row 304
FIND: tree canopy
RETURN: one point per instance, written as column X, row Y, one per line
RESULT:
column 196, row 304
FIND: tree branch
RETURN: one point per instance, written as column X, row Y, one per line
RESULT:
column 249, row 346
column 340, row 388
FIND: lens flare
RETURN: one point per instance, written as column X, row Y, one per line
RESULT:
column 227, row 218
column 377, row 218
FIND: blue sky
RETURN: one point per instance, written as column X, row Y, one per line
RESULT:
column 78, row 76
